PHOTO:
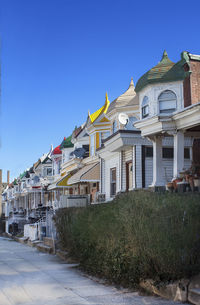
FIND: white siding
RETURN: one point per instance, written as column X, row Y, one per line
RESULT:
column 148, row 171
column 111, row 163
column 128, row 155
column 102, row 175
column 167, row 165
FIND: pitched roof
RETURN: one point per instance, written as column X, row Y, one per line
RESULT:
column 57, row 151
column 128, row 98
column 66, row 143
column 77, row 131
column 90, row 172
column 101, row 110
column 164, row 71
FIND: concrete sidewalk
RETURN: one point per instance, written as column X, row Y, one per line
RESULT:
column 32, row 278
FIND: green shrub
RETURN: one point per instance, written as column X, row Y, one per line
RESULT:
column 139, row 235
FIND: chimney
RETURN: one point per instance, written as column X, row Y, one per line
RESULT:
column 8, row 177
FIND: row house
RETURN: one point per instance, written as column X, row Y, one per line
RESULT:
column 146, row 137
column 26, row 199
column 169, row 100
column 134, row 141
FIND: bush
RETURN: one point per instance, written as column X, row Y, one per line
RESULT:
column 139, row 235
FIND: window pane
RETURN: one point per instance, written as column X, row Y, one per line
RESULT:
column 114, row 127
column 167, row 104
column 145, row 111
column 168, row 153
column 145, row 101
column 149, row 152
column 186, row 153
column 167, row 95
column 113, row 175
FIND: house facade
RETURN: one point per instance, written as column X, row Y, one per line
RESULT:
column 169, row 100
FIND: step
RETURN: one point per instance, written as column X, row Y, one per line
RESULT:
column 43, row 248
column 194, row 296
column 48, row 241
column 33, row 243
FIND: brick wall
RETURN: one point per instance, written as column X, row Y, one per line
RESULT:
column 191, row 84
column 195, row 81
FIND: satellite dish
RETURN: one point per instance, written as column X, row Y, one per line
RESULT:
column 123, row 118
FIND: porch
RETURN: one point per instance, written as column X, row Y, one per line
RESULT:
column 184, row 130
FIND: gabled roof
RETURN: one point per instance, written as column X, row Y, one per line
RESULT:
column 46, row 159
column 164, row 71
column 101, row 110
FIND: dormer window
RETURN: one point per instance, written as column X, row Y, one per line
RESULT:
column 167, row 102
column 145, row 107
column 114, row 126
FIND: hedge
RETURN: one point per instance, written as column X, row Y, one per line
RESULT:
column 138, row 235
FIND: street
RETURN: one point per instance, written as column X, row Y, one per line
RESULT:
column 30, row 277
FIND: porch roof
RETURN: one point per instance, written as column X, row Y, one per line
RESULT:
column 89, row 173
column 60, row 183
column 122, row 140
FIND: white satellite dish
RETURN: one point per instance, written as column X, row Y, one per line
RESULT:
column 123, row 118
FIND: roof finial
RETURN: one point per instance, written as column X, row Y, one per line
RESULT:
column 107, row 103
column 165, row 53
column 131, row 83
column 165, row 59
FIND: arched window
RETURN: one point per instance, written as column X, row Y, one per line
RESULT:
column 167, row 102
column 145, row 107
column 114, row 126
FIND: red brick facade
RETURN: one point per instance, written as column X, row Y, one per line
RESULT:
column 192, row 84
column 187, row 92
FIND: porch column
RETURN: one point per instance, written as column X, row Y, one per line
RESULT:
column 138, row 166
column 123, row 172
column 178, row 153
column 134, row 167
column 157, row 162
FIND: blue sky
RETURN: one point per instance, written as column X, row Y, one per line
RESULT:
column 59, row 57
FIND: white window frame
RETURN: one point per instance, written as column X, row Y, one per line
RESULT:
column 145, row 107
column 167, row 101
column 114, row 126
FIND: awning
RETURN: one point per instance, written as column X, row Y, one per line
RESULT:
column 89, row 173
column 60, row 183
